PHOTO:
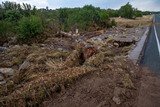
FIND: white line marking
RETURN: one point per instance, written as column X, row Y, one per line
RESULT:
column 158, row 44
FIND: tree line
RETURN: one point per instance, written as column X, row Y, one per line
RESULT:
column 26, row 21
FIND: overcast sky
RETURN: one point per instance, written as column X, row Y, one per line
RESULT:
column 153, row 5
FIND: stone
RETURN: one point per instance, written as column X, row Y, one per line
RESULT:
column 116, row 44
column 24, row 66
column 117, row 93
column 7, row 71
column 117, row 100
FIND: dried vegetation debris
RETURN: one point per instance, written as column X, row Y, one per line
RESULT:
column 42, row 70
column 34, row 92
column 105, row 85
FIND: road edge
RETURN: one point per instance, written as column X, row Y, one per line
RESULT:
column 137, row 53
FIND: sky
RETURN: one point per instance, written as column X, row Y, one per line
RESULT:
column 151, row 5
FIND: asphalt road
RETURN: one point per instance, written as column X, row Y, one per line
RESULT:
column 151, row 57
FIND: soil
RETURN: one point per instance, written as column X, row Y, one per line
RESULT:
column 149, row 93
column 95, row 90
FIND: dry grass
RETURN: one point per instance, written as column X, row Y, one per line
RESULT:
column 140, row 21
column 33, row 93
column 96, row 60
column 33, row 86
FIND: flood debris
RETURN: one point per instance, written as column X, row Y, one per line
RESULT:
column 123, row 41
column 41, row 70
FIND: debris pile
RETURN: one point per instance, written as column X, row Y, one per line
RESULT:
column 40, row 70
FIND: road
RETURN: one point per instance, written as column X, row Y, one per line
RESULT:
column 151, row 58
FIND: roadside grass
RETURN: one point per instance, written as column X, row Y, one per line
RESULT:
column 139, row 21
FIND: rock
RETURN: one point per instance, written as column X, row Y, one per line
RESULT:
column 117, row 100
column 124, row 41
column 116, row 44
column 7, row 71
column 24, row 66
column 117, row 93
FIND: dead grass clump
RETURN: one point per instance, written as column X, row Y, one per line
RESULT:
column 58, row 55
column 76, row 58
column 42, row 60
column 127, row 82
column 96, row 60
column 126, row 49
column 56, row 66
column 15, row 55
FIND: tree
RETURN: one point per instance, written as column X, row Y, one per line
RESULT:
column 112, row 13
column 138, row 13
column 127, row 11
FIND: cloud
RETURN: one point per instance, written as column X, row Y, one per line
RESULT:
column 115, row 4
column 153, row 5
column 37, row 3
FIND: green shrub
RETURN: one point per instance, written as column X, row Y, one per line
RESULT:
column 113, row 22
column 30, row 27
column 12, row 15
column 138, row 13
column 127, row 11
column 113, row 13
column 5, row 28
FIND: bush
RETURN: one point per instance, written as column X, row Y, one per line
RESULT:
column 12, row 15
column 112, row 13
column 113, row 22
column 127, row 11
column 5, row 28
column 138, row 13
column 30, row 27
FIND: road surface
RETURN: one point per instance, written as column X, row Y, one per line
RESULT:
column 151, row 58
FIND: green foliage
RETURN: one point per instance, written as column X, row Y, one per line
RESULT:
column 63, row 16
column 28, row 21
column 146, row 13
column 83, row 18
column 138, row 13
column 113, row 13
column 113, row 22
column 30, row 27
column 12, row 15
column 5, row 28
column 127, row 11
